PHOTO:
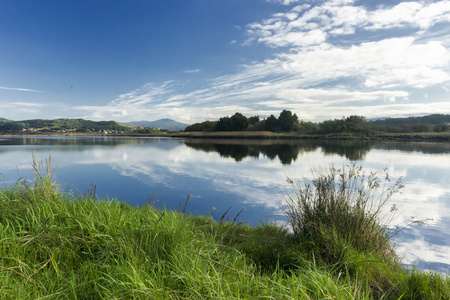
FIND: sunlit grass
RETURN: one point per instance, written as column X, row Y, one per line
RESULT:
column 60, row 246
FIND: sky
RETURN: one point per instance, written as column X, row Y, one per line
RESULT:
column 197, row 60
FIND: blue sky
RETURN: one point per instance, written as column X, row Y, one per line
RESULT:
column 196, row 60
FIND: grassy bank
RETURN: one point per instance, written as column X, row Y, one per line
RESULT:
column 434, row 136
column 60, row 246
column 380, row 136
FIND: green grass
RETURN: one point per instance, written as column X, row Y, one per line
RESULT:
column 59, row 246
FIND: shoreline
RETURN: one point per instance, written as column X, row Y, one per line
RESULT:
column 411, row 137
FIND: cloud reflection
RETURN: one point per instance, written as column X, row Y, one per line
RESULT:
column 217, row 177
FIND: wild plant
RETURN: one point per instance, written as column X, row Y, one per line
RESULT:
column 44, row 185
column 183, row 205
column 341, row 211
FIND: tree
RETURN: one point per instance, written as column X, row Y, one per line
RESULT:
column 440, row 128
column 253, row 120
column 239, row 122
column 286, row 120
column 357, row 124
column 224, row 124
column 352, row 124
column 332, row 126
column 271, row 123
column 204, row 126
column 306, row 127
column 423, row 128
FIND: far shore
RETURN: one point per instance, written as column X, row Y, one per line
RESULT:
column 382, row 136
column 428, row 136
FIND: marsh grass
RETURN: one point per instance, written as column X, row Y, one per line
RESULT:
column 343, row 218
column 342, row 210
column 54, row 245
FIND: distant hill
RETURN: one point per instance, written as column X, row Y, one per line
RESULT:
column 62, row 126
column 167, row 124
column 79, row 125
column 435, row 122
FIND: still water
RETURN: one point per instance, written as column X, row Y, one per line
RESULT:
column 244, row 174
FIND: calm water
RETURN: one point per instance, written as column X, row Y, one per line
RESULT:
column 248, row 175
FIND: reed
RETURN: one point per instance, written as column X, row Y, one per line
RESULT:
column 342, row 218
column 342, row 209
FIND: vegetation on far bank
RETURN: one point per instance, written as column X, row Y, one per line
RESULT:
column 72, row 127
column 61, row 246
column 288, row 123
column 413, row 137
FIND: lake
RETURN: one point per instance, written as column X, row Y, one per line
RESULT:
column 232, row 175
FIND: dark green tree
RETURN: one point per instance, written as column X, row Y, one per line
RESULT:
column 239, row 122
column 306, row 127
column 224, row 124
column 332, row 126
column 423, row 127
column 357, row 124
column 253, row 120
column 440, row 128
column 286, row 120
column 271, row 123
column 203, row 126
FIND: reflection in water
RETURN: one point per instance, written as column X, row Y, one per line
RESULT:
column 76, row 141
column 423, row 147
column 352, row 150
column 131, row 169
column 287, row 151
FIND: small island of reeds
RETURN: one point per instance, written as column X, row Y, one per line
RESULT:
column 55, row 245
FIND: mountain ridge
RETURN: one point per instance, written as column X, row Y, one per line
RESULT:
column 165, row 123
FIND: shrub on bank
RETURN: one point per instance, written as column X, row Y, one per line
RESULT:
column 342, row 210
column 341, row 218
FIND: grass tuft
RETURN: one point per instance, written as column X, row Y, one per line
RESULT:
column 341, row 211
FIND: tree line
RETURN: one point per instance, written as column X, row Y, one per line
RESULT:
column 285, row 122
column 289, row 122
column 430, row 123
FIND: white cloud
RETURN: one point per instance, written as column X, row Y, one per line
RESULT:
column 343, row 18
column 21, row 105
column 284, row 2
column 192, row 71
column 378, row 64
column 312, row 37
column 19, row 89
column 414, row 14
column 338, row 96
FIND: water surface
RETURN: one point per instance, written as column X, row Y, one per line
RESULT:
column 244, row 174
